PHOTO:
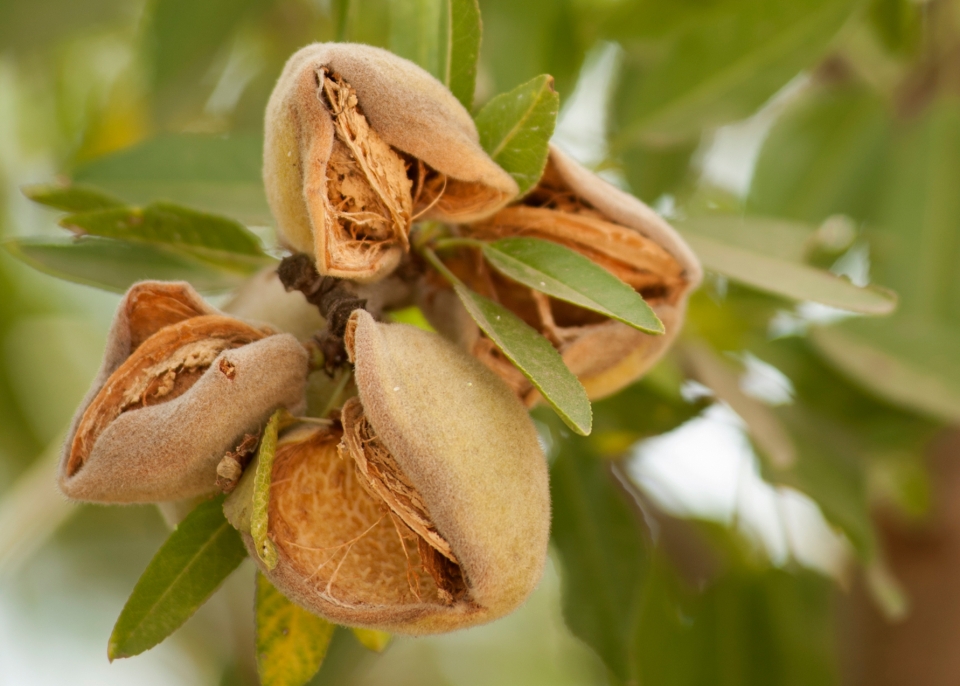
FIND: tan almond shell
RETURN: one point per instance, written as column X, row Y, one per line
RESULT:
column 170, row 450
column 469, row 449
column 605, row 356
column 406, row 107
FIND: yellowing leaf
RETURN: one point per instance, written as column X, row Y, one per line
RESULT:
column 371, row 639
column 291, row 642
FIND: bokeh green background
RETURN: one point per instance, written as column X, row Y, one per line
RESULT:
column 823, row 133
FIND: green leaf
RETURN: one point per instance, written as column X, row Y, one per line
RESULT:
column 561, row 273
column 829, row 470
column 898, row 23
column 765, row 429
column 182, row 41
column 412, row 315
column 515, row 129
column 259, row 524
column 745, row 628
column 116, row 265
column 342, row 13
column 723, row 65
column 463, row 49
column 415, row 33
column 824, row 156
column 534, row 356
column 913, row 235
column 839, row 431
column 220, row 174
column 914, row 368
column 653, row 170
column 217, row 238
column 371, row 639
column 780, row 238
column 291, row 642
column 603, row 554
column 197, row 557
column 789, row 279
column 72, row 198
column 914, row 248
column 38, row 27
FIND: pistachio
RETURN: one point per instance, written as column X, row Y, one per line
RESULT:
column 180, row 385
column 359, row 142
column 428, row 510
column 575, row 208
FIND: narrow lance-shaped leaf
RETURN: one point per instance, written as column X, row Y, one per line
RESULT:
column 181, row 41
column 515, row 129
column 463, row 49
column 723, row 64
column 561, row 273
column 213, row 173
column 165, row 223
column 764, row 427
column 602, row 553
column 261, row 492
column 291, row 642
column 415, row 32
column 533, row 356
column 71, row 198
column 201, row 552
column 342, row 12
column 889, row 364
column 792, row 280
column 371, row 639
column 115, row 265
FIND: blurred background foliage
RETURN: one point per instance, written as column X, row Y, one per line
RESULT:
column 766, row 507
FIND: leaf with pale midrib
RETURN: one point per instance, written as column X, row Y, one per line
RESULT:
column 115, row 265
column 463, row 49
column 793, row 280
column 567, row 275
column 197, row 557
column 534, row 356
column 71, row 198
column 515, row 129
column 168, row 224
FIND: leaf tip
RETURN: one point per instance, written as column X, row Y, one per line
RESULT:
column 32, row 190
column 113, row 649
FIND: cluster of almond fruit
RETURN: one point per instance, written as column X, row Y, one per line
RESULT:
column 416, row 500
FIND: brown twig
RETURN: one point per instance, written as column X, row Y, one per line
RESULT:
column 298, row 273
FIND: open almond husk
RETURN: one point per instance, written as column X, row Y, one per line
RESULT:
column 428, row 509
column 359, row 142
column 179, row 386
column 574, row 207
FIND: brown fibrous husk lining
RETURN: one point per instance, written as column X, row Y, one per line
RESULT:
column 554, row 212
column 368, row 203
column 152, row 306
column 163, row 367
column 343, row 539
column 383, row 478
